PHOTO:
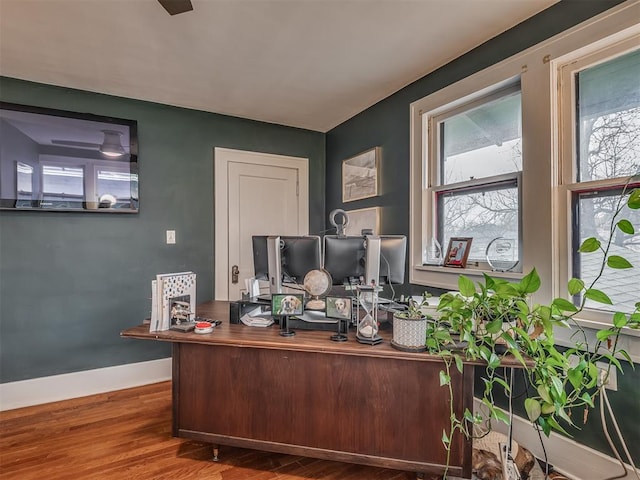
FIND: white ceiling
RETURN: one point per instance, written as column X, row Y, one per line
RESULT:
column 304, row 63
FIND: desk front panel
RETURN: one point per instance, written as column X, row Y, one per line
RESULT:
column 374, row 408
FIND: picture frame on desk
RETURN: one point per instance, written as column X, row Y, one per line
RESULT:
column 286, row 304
column 339, row 307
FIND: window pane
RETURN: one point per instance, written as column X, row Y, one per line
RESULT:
column 609, row 119
column 24, row 181
column 61, row 184
column 483, row 141
column 595, row 213
column 117, row 185
column 481, row 214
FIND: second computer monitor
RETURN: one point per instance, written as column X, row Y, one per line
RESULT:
column 393, row 253
column 344, row 258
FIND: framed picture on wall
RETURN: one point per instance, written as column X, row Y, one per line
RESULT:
column 363, row 219
column 458, row 252
column 360, row 175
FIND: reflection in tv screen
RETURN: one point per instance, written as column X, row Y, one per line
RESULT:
column 64, row 161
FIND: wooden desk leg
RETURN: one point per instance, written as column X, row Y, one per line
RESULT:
column 216, row 450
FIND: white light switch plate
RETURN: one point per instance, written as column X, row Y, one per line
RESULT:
column 171, row 237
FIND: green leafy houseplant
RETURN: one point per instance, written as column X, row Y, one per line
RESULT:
column 495, row 316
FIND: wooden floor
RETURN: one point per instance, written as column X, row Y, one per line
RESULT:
column 127, row 435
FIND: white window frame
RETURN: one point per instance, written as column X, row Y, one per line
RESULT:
column 565, row 69
column 433, row 160
column 543, row 210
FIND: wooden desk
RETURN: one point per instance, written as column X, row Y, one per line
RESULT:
column 306, row 395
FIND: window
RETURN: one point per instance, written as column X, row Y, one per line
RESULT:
column 533, row 149
column 601, row 101
column 24, row 184
column 60, row 184
column 477, row 162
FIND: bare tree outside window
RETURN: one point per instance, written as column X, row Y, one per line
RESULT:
column 608, row 116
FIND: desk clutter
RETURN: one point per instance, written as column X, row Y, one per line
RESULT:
column 337, row 314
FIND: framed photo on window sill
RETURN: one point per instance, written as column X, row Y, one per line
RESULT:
column 458, row 252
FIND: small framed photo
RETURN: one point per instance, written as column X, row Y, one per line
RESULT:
column 285, row 304
column 458, row 252
column 360, row 175
column 339, row 307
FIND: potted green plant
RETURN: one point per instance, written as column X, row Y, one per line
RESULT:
column 410, row 326
column 495, row 317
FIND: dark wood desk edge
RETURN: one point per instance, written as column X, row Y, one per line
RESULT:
column 305, row 341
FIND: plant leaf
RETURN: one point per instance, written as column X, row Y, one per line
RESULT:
column 616, row 261
column 458, row 361
column 634, row 199
column 591, row 244
column 543, row 391
column 557, row 386
column 626, row 226
column 619, row 320
column 444, row 378
column 530, row 283
column 556, row 426
column 445, row 438
column 575, row 377
column 598, row 296
column 500, row 415
column 533, row 408
column 564, row 305
column 602, row 335
column 466, row 286
column 575, row 286
column 587, row 399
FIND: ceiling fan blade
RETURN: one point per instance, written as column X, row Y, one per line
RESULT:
column 71, row 143
column 175, row 7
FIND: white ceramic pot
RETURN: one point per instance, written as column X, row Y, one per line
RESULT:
column 409, row 334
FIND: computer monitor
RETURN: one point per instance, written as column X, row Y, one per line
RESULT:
column 299, row 255
column 393, row 253
column 260, row 257
column 344, row 258
column 285, row 259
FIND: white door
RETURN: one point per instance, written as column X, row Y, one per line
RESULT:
column 255, row 194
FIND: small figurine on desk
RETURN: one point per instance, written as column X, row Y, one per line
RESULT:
column 284, row 305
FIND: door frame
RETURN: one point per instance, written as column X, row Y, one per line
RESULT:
column 222, row 157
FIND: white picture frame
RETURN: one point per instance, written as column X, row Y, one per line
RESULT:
column 363, row 218
column 360, row 175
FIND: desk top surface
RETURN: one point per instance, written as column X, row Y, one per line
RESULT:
column 239, row 335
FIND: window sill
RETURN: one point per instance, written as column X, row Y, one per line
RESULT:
column 629, row 339
column 447, row 277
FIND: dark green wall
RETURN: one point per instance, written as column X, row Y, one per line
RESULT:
column 70, row 282
column 386, row 124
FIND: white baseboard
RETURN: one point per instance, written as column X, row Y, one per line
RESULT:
column 36, row 391
column 566, row 455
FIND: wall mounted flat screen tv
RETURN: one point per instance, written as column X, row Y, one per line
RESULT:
column 53, row 160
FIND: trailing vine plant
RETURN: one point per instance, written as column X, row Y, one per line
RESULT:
column 483, row 321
